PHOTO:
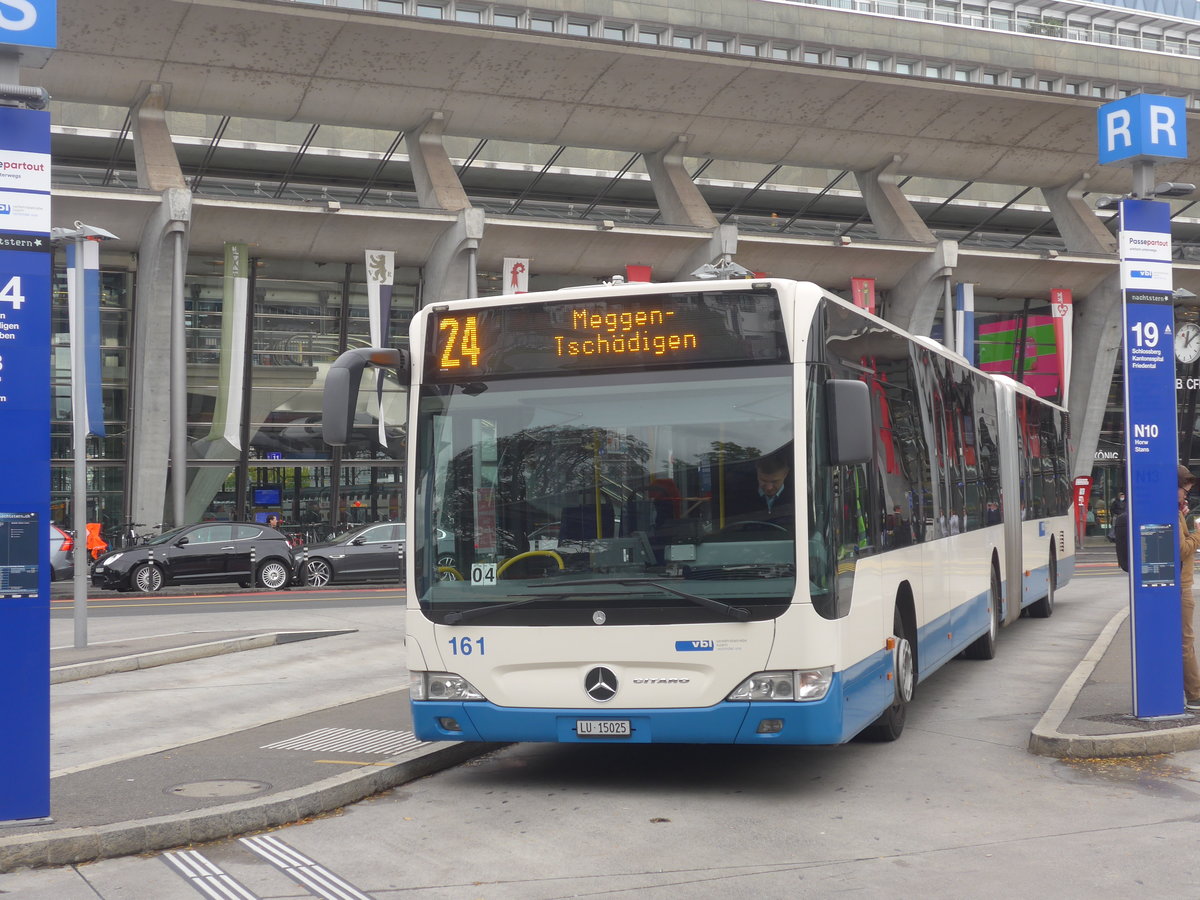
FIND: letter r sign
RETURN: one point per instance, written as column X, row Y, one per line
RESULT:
column 28, row 23
column 1142, row 127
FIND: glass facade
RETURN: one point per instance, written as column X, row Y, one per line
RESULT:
column 253, row 399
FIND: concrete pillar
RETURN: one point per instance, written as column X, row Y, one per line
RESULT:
column 891, row 213
column 448, row 271
column 150, row 377
column 1096, row 334
column 721, row 243
column 1081, row 230
column 150, row 395
column 679, row 200
column 157, row 165
column 438, row 186
column 914, row 301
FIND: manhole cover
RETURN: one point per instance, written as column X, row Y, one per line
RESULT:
column 227, row 787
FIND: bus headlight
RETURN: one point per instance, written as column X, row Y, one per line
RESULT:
column 442, row 686
column 804, row 684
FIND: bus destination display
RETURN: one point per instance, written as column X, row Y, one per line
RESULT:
column 627, row 332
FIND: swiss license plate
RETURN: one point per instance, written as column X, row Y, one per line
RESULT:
column 603, row 728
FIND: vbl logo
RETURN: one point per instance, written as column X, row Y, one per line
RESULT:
column 5, row 209
column 691, row 646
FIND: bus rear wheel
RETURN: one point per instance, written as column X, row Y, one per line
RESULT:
column 1044, row 608
column 984, row 646
column 890, row 725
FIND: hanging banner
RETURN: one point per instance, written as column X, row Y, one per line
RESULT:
column 862, row 293
column 235, row 292
column 25, row 263
column 88, row 330
column 516, row 276
column 964, row 321
column 1062, row 309
column 381, row 271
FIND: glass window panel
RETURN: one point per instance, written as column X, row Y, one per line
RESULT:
column 505, row 20
column 430, row 11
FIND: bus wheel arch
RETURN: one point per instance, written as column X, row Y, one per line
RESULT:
column 984, row 646
column 1044, row 608
column 890, row 724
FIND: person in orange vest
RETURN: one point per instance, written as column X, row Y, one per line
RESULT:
column 96, row 545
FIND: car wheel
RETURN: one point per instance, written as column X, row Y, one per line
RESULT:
column 317, row 573
column 146, row 578
column 273, row 575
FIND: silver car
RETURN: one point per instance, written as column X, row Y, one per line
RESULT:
column 62, row 554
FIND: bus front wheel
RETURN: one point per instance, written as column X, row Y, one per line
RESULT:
column 889, row 726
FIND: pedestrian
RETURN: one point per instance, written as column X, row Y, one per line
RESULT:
column 1189, row 542
column 272, row 521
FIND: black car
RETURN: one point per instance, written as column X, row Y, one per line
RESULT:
column 243, row 553
column 370, row 553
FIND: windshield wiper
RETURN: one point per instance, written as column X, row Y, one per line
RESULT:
column 734, row 612
column 740, row 613
column 452, row 618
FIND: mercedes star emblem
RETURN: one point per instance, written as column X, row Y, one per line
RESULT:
column 600, row 683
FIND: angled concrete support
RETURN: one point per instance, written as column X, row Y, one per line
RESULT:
column 150, row 397
column 1097, row 340
column 913, row 303
column 438, row 186
column 157, row 164
column 891, row 213
column 679, row 200
column 722, row 243
column 1076, row 222
column 450, row 270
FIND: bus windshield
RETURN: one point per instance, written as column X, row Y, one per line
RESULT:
column 634, row 497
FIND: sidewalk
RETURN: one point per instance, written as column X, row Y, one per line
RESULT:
column 244, row 781
column 310, row 764
column 1091, row 717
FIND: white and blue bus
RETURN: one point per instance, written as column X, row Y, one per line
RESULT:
column 720, row 512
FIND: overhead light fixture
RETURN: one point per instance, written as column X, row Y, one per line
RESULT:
column 1174, row 189
column 333, row 205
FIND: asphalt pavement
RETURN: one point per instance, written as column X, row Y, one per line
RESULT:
column 307, row 765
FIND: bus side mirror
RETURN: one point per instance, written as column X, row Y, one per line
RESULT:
column 341, row 388
column 848, row 414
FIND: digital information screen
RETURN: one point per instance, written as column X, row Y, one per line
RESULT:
column 1158, row 555
column 18, row 555
column 663, row 330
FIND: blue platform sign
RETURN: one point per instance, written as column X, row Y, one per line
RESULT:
column 1142, row 127
column 29, row 23
column 1151, row 452
column 25, row 287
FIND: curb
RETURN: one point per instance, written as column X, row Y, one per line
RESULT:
column 1046, row 740
column 68, row 846
column 152, row 658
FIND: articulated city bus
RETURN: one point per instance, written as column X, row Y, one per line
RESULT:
column 721, row 511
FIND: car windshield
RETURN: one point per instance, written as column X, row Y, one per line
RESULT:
column 660, row 498
column 167, row 536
